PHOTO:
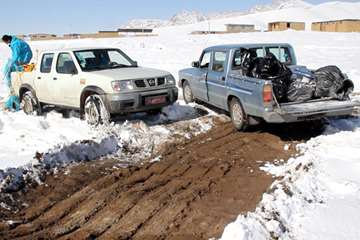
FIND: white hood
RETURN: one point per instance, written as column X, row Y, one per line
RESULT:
column 130, row 73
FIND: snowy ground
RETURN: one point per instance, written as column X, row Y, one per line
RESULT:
column 319, row 190
column 318, row 195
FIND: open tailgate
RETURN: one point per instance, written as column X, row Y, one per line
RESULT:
column 319, row 108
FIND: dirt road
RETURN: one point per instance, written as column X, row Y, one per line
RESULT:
column 196, row 189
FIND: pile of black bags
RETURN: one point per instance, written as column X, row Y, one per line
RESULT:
column 297, row 84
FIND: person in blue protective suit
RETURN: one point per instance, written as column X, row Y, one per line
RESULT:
column 21, row 55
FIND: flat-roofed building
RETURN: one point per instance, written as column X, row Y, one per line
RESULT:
column 344, row 25
column 282, row 26
column 238, row 28
column 42, row 36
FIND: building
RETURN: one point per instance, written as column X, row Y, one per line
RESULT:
column 207, row 32
column 282, row 26
column 108, row 34
column 238, row 28
column 100, row 34
column 42, row 36
column 21, row 36
column 135, row 30
column 72, row 36
column 344, row 25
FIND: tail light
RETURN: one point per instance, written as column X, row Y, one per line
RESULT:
column 267, row 93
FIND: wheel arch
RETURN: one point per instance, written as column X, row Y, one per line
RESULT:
column 24, row 88
column 90, row 90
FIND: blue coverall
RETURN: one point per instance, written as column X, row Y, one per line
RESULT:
column 21, row 54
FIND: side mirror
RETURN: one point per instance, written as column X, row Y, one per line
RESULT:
column 195, row 64
column 136, row 64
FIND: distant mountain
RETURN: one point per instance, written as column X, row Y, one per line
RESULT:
column 191, row 17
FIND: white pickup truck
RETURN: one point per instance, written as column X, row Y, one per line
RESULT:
column 99, row 82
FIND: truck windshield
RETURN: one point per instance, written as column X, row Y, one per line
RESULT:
column 102, row 59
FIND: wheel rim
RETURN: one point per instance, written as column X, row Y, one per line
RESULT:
column 28, row 105
column 187, row 93
column 237, row 113
column 95, row 111
column 91, row 113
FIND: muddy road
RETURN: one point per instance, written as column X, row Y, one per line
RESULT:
column 197, row 188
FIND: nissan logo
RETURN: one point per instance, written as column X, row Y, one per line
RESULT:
column 151, row 82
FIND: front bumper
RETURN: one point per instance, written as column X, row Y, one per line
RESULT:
column 135, row 101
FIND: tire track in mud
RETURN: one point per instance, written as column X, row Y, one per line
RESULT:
column 198, row 187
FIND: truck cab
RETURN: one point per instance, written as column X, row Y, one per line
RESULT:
column 218, row 80
column 99, row 82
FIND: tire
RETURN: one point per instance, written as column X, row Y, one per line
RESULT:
column 30, row 104
column 187, row 93
column 154, row 111
column 238, row 116
column 95, row 111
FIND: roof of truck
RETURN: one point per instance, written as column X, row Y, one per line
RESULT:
column 77, row 49
column 251, row 45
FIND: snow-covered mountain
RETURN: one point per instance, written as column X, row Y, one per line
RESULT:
column 191, row 17
column 279, row 4
column 187, row 17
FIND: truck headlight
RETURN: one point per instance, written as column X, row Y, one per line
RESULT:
column 170, row 80
column 122, row 85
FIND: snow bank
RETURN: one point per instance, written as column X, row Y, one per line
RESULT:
column 317, row 195
column 35, row 146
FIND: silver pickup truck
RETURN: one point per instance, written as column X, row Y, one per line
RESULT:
column 216, row 80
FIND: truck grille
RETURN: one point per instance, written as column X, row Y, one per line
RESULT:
column 149, row 82
column 140, row 83
column 161, row 81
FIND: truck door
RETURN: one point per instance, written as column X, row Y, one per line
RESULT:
column 199, row 87
column 43, row 79
column 216, row 79
column 66, row 81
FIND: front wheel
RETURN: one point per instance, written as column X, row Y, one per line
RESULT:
column 30, row 104
column 95, row 110
column 238, row 115
column 187, row 93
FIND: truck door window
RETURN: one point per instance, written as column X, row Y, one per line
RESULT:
column 219, row 61
column 205, row 61
column 46, row 62
column 65, row 64
column 281, row 53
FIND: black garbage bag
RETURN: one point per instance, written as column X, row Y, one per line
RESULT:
column 301, row 89
column 270, row 68
column 331, row 82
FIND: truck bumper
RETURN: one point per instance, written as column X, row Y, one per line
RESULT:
column 135, row 101
column 281, row 117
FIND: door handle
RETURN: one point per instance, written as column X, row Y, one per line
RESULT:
column 39, row 78
column 222, row 78
column 54, row 78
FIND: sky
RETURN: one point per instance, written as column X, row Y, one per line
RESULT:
column 84, row 16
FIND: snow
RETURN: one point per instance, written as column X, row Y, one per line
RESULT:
column 319, row 189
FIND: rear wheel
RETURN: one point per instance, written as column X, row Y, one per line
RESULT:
column 238, row 115
column 95, row 110
column 187, row 93
column 30, row 104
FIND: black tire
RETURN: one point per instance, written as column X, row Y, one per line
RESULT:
column 95, row 110
column 187, row 93
column 154, row 111
column 30, row 104
column 238, row 116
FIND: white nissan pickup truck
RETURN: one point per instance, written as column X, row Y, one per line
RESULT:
column 98, row 82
